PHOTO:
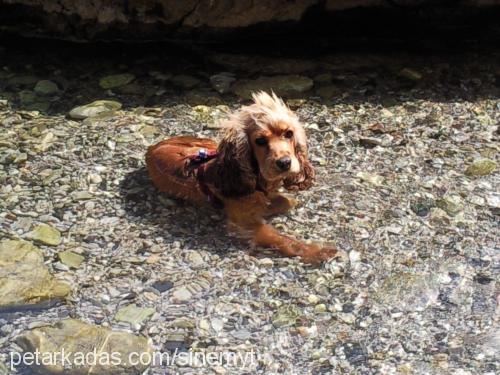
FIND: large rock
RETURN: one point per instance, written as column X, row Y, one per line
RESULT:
column 24, row 279
column 288, row 85
column 94, row 109
column 123, row 19
column 111, row 349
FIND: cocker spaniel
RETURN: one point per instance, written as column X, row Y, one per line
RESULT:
column 263, row 148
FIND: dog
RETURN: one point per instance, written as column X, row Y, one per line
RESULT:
column 263, row 148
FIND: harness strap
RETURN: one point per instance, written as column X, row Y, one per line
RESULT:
column 199, row 161
column 211, row 197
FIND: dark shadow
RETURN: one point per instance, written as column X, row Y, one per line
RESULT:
column 172, row 219
column 367, row 71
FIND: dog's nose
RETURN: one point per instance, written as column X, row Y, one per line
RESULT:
column 284, row 163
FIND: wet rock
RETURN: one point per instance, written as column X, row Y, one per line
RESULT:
column 422, row 207
column 222, row 82
column 323, row 78
column 451, row 204
column 23, row 81
column 481, row 167
column 372, row 179
column 329, row 91
column 181, row 295
column 408, row 291
column 354, row 352
column 493, row 200
column 75, row 337
column 438, row 216
column 133, row 314
column 93, row 109
column 410, row 74
column 183, row 322
column 242, row 334
column 46, row 87
column 71, row 259
column 162, row 286
column 289, row 85
column 25, row 279
column 490, row 343
column 217, row 324
column 195, row 258
column 185, row 81
column 211, row 117
column 286, row 315
column 116, row 80
column 46, row 234
column 131, row 89
column 30, row 101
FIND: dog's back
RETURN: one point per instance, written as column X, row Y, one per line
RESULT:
column 168, row 166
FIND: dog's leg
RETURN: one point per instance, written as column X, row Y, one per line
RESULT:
column 246, row 215
column 280, row 204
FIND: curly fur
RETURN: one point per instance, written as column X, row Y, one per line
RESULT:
column 237, row 170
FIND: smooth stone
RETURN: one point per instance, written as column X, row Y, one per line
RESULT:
column 116, row 80
column 195, row 259
column 71, row 259
column 46, row 234
column 25, row 279
column 217, row 324
column 162, row 286
column 185, row 81
column 493, row 200
column 94, row 109
column 81, row 195
column 181, row 294
column 451, row 204
column 481, row 167
column 74, row 336
column 438, row 216
column 133, row 314
column 183, row 322
column 222, row 82
column 46, row 87
column 372, row 179
column 287, row 85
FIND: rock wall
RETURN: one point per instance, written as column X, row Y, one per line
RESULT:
column 125, row 19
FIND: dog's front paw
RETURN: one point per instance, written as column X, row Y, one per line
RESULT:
column 316, row 253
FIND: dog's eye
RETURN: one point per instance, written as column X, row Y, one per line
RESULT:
column 261, row 141
column 288, row 134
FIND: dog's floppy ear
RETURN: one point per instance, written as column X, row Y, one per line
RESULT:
column 235, row 170
column 305, row 178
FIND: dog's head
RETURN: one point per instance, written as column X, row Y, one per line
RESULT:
column 266, row 141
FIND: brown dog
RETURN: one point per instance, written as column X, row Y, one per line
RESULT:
column 263, row 148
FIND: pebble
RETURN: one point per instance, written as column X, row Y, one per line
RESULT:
column 46, row 235
column 46, row 87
